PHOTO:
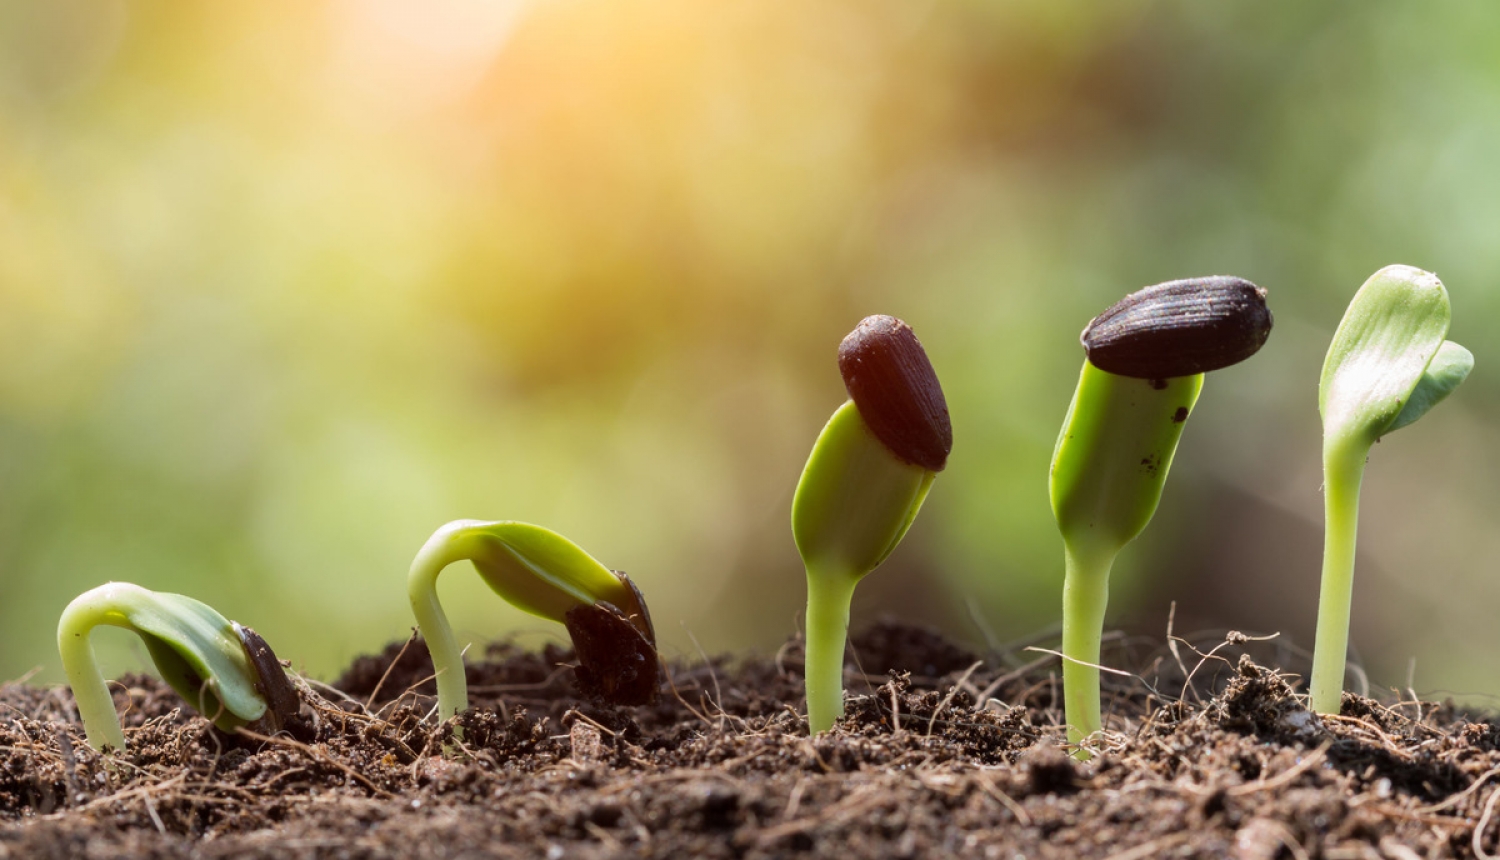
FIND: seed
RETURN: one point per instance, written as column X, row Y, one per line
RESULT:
column 616, row 662
column 896, row 391
column 1180, row 328
column 271, row 680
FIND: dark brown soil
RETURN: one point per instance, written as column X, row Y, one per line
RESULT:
column 943, row 753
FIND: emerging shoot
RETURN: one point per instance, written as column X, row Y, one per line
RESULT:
column 863, row 484
column 1388, row 365
column 1146, row 357
column 545, row 574
column 224, row 670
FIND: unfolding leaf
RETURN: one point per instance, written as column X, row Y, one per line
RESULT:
column 1393, row 328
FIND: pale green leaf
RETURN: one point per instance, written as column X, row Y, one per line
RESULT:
column 540, row 571
column 1445, row 372
column 196, row 650
column 1394, row 326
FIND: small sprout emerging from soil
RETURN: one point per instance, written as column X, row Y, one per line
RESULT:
column 862, row 487
column 1388, row 365
column 226, row 671
column 541, row 572
column 1146, row 357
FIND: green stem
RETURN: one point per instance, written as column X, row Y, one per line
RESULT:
column 1343, row 471
column 101, row 723
column 829, row 594
column 1085, row 596
column 440, row 551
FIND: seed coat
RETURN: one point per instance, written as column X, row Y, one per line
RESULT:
column 271, row 680
column 892, row 383
column 1180, row 328
column 616, row 661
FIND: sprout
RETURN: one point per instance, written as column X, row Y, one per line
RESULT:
column 864, row 482
column 223, row 669
column 1388, row 365
column 1146, row 357
column 541, row 572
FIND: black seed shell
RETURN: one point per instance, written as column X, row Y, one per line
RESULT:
column 1180, row 328
column 896, row 391
column 271, row 680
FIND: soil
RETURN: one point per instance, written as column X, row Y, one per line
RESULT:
column 943, row 752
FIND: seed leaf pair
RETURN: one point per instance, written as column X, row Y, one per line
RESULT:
column 226, row 671
column 1389, row 363
column 545, row 574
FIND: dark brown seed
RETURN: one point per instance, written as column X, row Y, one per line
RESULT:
column 637, row 613
column 271, row 681
column 616, row 662
column 1180, row 328
column 896, row 391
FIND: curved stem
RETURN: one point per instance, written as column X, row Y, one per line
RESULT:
column 101, row 723
column 1085, row 596
column 829, row 594
column 440, row 551
column 1343, row 472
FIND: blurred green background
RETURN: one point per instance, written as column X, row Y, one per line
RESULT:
column 285, row 286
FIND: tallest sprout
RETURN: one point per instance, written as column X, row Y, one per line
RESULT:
column 1388, row 364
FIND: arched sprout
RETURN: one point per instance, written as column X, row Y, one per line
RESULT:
column 545, row 574
column 224, row 670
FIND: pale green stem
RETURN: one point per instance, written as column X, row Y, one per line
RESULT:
column 101, row 723
column 421, row 585
column 829, row 593
column 1343, row 471
column 1085, row 596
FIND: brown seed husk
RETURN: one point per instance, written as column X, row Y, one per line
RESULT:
column 271, row 681
column 616, row 662
column 1180, row 328
column 897, row 392
column 635, row 610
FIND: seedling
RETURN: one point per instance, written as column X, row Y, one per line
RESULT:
column 224, row 670
column 1388, row 365
column 1146, row 357
column 863, row 484
column 545, row 574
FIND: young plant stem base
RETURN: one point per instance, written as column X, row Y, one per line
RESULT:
column 829, row 594
column 95, row 705
column 1343, row 472
column 1085, row 597
column 447, row 658
column 1108, row 470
